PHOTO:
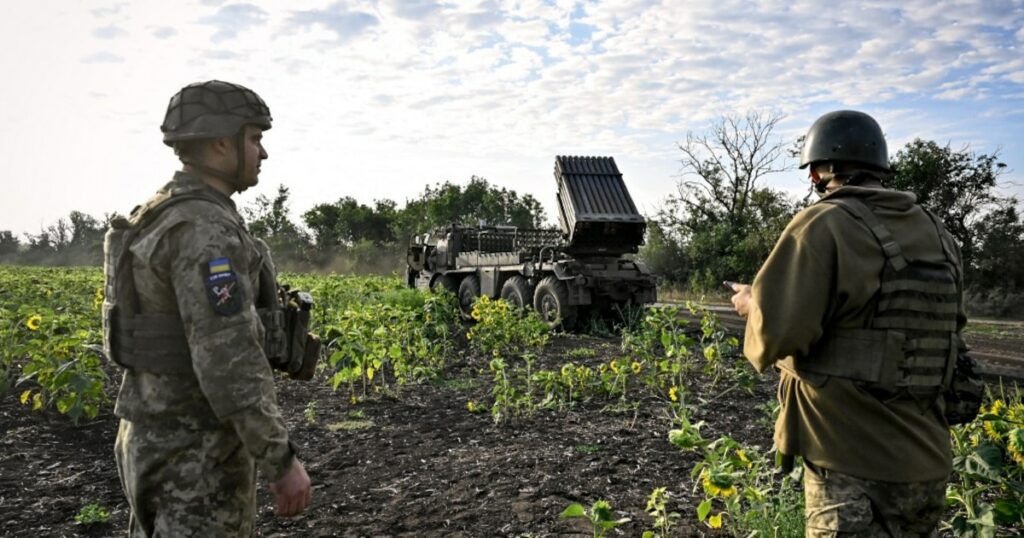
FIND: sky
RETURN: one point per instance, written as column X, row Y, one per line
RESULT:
column 377, row 99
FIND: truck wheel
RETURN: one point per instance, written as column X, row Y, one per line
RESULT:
column 551, row 301
column 444, row 282
column 517, row 292
column 469, row 290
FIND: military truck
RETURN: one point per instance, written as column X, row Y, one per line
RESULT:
column 561, row 273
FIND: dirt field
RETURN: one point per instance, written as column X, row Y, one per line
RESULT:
column 414, row 464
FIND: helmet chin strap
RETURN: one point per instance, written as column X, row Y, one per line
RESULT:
column 237, row 179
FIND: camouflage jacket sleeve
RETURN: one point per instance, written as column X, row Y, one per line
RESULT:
column 214, row 274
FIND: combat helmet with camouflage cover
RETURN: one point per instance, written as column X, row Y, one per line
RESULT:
column 212, row 109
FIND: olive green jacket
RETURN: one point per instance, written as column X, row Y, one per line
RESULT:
column 824, row 273
column 231, row 385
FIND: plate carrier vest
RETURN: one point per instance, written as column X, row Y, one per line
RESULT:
column 157, row 343
column 910, row 345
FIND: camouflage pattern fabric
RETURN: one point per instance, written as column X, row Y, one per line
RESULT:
column 197, row 260
column 838, row 504
column 196, row 483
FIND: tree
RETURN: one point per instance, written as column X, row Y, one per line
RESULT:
column 9, row 243
column 347, row 222
column 956, row 185
column 270, row 220
column 477, row 202
column 999, row 254
column 725, row 220
column 726, row 165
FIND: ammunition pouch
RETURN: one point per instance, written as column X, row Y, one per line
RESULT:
column 288, row 344
column 964, row 395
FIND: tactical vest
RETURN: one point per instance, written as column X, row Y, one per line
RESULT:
column 157, row 343
column 910, row 345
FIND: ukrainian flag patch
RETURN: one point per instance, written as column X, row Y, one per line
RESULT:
column 220, row 265
column 222, row 287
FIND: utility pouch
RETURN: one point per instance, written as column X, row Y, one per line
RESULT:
column 303, row 348
column 116, row 286
column 275, row 336
column 964, row 395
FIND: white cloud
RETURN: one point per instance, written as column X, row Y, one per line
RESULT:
column 109, row 31
column 339, row 18
column 234, row 18
column 375, row 98
column 102, row 57
column 164, row 32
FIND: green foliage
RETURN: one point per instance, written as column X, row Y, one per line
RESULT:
column 380, row 346
column 600, row 515
column 663, row 340
column 987, row 492
column 663, row 519
column 506, row 333
column 686, row 436
column 503, row 331
column 721, row 223
column 76, row 240
column 478, row 201
column 664, row 252
column 347, row 222
column 582, row 353
column 996, row 273
column 92, row 514
column 310, row 412
column 957, row 185
column 743, row 492
column 50, row 326
column 270, row 220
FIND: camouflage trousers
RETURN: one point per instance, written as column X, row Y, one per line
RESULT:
column 838, row 504
column 185, row 483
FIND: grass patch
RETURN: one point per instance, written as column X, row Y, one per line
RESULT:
column 994, row 330
column 588, row 449
column 582, row 353
column 349, row 425
column 461, row 383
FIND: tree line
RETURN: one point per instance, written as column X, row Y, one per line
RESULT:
column 720, row 223
column 343, row 236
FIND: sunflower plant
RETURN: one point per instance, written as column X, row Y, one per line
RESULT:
column 600, row 516
column 987, row 490
column 50, row 326
column 744, row 492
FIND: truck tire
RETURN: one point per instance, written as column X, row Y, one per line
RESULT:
column 551, row 301
column 444, row 282
column 517, row 292
column 469, row 290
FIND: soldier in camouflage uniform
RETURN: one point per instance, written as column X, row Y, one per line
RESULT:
column 859, row 306
column 197, row 404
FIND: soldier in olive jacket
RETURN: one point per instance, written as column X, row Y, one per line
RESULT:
column 859, row 308
column 197, row 404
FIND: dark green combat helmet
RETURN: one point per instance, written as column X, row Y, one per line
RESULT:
column 846, row 135
column 212, row 109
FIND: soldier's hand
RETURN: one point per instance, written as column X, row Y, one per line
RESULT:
column 292, row 491
column 741, row 301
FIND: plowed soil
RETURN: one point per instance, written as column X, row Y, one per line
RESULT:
column 415, row 463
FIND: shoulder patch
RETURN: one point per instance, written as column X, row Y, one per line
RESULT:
column 222, row 287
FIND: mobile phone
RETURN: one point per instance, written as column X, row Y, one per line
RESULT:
column 729, row 284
